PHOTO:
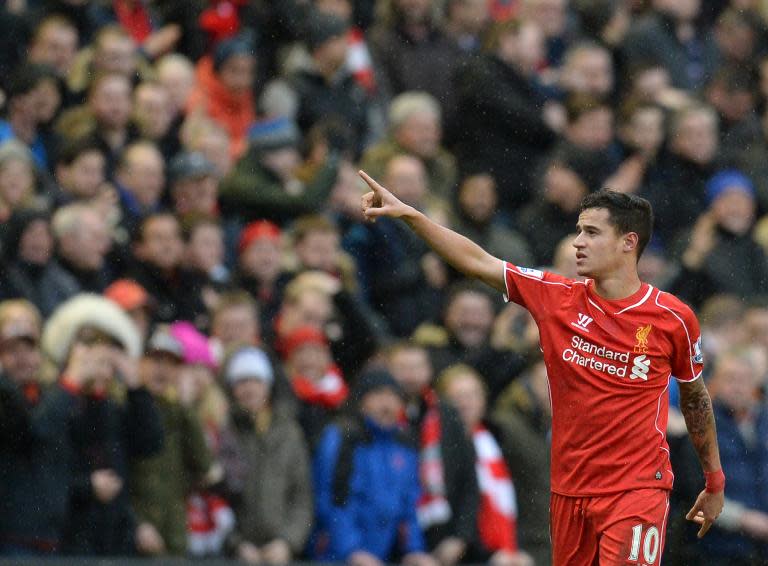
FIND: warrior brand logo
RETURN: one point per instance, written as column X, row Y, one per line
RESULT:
column 641, row 335
column 582, row 322
column 640, row 368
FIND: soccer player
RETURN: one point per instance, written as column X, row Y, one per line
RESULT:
column 611, row 344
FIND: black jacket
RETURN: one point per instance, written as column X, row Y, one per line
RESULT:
column 499, row 128
column 458, row 457
column 36, row 461
column 106, row 435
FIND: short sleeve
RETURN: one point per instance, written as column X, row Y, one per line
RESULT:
column 534, row 289
column 687, row 358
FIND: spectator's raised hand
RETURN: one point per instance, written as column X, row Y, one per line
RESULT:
column 148, row 540
column 248, row 553
column 419, row 559
column 755, row 524
column 276, row 552
column 380, row 202
column 504, row 558
column 106, row 484
column 363, row 558
column 127, row 368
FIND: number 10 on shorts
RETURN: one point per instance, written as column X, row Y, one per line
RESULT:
column 650, row 543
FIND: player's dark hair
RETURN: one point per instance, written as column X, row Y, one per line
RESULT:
column 628, row 213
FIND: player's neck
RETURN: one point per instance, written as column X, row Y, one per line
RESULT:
column 618, row 286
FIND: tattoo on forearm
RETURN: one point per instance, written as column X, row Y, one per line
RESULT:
column 696, row 407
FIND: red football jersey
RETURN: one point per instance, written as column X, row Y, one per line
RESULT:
column 609, row 365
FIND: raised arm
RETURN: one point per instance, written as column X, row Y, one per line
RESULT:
column 460, row 252
column 696, row 407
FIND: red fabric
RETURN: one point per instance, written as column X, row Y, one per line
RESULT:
column 715, row 481
column 135, row 19
column 302, row 336
column 432, row 507
column 497, row 514
column 257, row 230
column 221, row 20
column 328, row 392
column 31, row 392
column 360, row 62
column 503, row 10
column 235, row 112
column 609, row 364
column 69, row 385
column 612, row 527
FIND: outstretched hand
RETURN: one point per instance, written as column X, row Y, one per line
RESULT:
column 706, row 509
column 380, row 202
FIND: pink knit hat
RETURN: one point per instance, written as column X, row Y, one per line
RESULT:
column 195, row 346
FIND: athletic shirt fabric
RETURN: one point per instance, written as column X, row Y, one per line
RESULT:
column 609, row 365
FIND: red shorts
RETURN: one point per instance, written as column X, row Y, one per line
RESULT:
column 621, row 528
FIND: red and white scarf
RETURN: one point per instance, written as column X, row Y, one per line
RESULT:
column 330, row 391
column 497, row 515
column 433, row 507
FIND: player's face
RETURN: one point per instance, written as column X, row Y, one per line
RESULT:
column 599, row 246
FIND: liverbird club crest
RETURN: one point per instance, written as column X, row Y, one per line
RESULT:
column 641, row 347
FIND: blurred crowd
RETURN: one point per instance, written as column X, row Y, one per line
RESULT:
column 207, row 351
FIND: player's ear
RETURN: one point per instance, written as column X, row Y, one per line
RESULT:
column 631, row 240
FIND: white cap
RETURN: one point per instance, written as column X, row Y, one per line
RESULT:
column 250, row 363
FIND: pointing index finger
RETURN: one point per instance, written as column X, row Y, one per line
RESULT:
column 369, row 180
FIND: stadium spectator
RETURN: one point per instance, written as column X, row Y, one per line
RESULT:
column 742, row 417
column 95, row 346
column 35, row 468
column 407, row 34
column 415, row 128
column 366, row 482
column 54, row 43
column 159, row 250
column 82, row 244
column 18, row 178
column 139, row 178
column 501, row 124
column 523, row 411
column 721, row 243
column 159, row 485
column 260, row 267
column 265, row 184
column 31, row 270
column 315, row 379
column 497, row 540
column 80, row 172
column 477, row 218
column 154, row 116
column 224, row 89
column 468, row 336
column 266, row 464
column 448, row 503
column 678, row 196
column 194, row 185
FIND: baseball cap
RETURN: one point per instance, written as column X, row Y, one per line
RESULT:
column 188, row 165
column 302, row 336
column 163, row 342
column 128, row 294
column 257, row 230
column 249, row 363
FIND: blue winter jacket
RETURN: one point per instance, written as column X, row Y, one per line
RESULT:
column 746, row 473
column 379, row 514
